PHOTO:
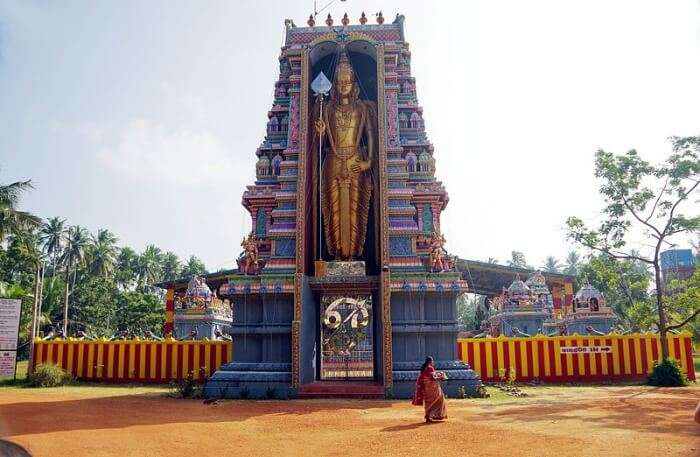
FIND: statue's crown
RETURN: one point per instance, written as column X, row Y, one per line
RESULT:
column 344, row 62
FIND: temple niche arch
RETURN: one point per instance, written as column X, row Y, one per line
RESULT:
column 411, row 161
column 362, row 54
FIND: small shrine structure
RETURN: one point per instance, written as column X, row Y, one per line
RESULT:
column 527, row 308
column 199, row 313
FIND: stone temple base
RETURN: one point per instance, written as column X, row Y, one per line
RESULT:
column 459, row 374
column 251, row 380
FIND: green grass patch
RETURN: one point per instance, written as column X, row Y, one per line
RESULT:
column 22, row 366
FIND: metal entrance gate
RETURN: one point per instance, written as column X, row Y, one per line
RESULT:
column 347, row 350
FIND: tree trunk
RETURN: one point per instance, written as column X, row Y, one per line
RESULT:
column 32, row 330
column 661, row 311
column 65, row 302
column 41, row 299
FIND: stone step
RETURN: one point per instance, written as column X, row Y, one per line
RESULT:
column 341, row 390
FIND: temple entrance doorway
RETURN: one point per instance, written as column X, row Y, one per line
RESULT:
column 347, row 343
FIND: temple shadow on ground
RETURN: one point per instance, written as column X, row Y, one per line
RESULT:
column 148, row 409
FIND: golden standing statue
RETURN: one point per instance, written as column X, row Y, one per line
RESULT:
column 349, row 125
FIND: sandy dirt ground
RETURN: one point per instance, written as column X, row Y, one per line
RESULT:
column 552, row 421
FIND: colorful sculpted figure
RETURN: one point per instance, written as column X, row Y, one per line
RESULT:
column 437, row 260
column 348, row 123
column 249, row 262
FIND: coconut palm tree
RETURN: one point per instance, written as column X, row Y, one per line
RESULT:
column 517, row 260
column 572, row 263
column 149, row 266
column 127, row 268
column 193, row 267
column 52, row 236
column 77, row 240
column 102, row 253
column 171, row 266
column 551, row 265
column 13, row 220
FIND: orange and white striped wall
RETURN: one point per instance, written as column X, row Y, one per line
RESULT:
column 573, row 358
column 139, row 361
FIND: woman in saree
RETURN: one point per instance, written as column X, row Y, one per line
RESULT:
column 429, row 393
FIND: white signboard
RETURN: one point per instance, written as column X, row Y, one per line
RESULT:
column 10, row 310
column 586, row 349
column 7, row 363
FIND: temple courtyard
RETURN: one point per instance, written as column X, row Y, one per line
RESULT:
column 550, row 421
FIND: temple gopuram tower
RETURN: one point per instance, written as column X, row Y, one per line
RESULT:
column 344, row 279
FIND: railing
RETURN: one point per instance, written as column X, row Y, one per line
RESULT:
column 139, row 361
column 573, row 358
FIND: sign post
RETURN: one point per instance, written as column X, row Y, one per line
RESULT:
column 10, row 312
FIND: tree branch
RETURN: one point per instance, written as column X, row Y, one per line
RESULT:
column 685, row 321
column 636, row 216
column 619, row 255
column 658, row 199
column 675, row 205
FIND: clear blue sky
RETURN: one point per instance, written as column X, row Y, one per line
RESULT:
column 143, row 116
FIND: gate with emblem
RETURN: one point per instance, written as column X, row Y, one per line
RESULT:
column 346, row 338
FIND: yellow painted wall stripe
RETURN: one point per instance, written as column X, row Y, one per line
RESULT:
column 489, row 358
column 536, row 359
column 547, row 361
column 218, row 355
column 80, row 368
column 557, row 358
column 49, row 353
column 132, row 360
column 648, row 342
column 122, row 359
column 207, row 361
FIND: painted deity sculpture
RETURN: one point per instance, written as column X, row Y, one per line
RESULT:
column 437, row 255
column 348, row 124
column 249, row 263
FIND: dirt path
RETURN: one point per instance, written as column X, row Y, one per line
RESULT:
column 554, row 421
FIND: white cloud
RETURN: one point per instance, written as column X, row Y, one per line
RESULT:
column 147, row 150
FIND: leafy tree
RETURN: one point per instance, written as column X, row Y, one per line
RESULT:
column 12, row 220
column 194, row 267
column 171, row 266
column 572, row 263
column 551, row 265
column 647, row 197
column 517, row 260
column 683, row 303
column 471, row 311
column 94, row 306
column 140, row 312
column 623, row 282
